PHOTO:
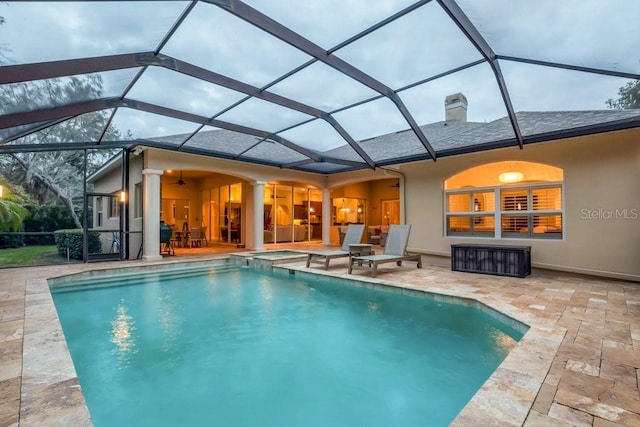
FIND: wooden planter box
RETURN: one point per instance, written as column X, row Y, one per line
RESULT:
column 499, row 260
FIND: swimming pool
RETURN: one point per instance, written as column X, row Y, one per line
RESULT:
column 233, row 346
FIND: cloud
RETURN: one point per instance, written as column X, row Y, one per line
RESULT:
column 329, row 22
column 181, row 92
column 601, row 34
column 214, row 39
column 49, row 31
column 419, row 45
column 323, row 87
column 415, row 47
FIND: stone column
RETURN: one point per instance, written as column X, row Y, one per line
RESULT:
column 326, row 217
column 258, row 215
column 151, row 220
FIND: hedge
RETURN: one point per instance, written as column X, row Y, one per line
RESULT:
column 11, row 241
column 46, row 218
column 72, row 240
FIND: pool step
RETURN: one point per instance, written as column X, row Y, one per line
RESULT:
column 95, row 279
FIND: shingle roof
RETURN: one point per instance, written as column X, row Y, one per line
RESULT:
column 455, row 137
column 451, row 137
column 533, row 125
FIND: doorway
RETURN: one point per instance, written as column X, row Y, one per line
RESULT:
column 390, row 211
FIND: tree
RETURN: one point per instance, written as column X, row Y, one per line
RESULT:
column 12, row 210
column 12, row 213
column 56, row 174
column 628, row 97
column 2, row 46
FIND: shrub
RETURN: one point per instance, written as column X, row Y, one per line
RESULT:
column 46, row 218
column 12, row 214
column 72, row 240
column 11, row 241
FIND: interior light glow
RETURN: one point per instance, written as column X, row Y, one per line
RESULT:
column 510, row 177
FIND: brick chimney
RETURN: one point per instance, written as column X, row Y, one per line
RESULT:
column 455, row 108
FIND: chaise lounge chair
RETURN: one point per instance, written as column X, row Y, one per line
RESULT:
column 395, row 250
column 352, row 236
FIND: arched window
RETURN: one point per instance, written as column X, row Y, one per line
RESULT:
column 505, row 199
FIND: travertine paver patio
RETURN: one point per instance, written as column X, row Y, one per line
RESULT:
column 578, row 365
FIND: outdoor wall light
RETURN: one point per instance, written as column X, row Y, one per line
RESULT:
column 510, row 177
column 1, row 191
column 123, row 196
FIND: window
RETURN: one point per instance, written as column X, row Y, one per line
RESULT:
column 348, row 210
column 114, row 205
column 525, row 210
column 99, row 209
column 534, row 211
column 471, row 213
column 137, row 197
column 514, row 207
column 390, row 211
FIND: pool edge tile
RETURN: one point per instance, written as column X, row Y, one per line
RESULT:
column 50, row 386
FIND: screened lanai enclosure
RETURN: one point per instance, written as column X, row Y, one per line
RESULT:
column 319, row 86
column 305, row 85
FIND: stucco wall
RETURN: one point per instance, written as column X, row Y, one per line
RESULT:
column 602, row 203
column 601, row 197
column 161, row 159
column 111, row 181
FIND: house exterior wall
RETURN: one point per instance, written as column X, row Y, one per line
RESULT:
column 110, row 182
column 161, row 159
column 601, row 198
column 601, row 203
column 135, row 224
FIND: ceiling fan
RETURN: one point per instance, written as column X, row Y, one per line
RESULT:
column 396, row 185
column 180, row 181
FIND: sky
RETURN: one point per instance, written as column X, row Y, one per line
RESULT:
column 418, row 46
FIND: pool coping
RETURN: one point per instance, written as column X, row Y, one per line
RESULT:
column 265, row 259
column 51, row 391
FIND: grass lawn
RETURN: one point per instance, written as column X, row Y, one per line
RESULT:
column 30, row 256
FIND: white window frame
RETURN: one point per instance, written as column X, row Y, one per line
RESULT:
column 471, row 213
column 114, row 205
column 99, row 211
column 531, row 213
column 498, row 212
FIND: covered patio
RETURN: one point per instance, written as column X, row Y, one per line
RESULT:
column 338, row 92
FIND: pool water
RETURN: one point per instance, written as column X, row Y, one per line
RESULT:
column 239, row 347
